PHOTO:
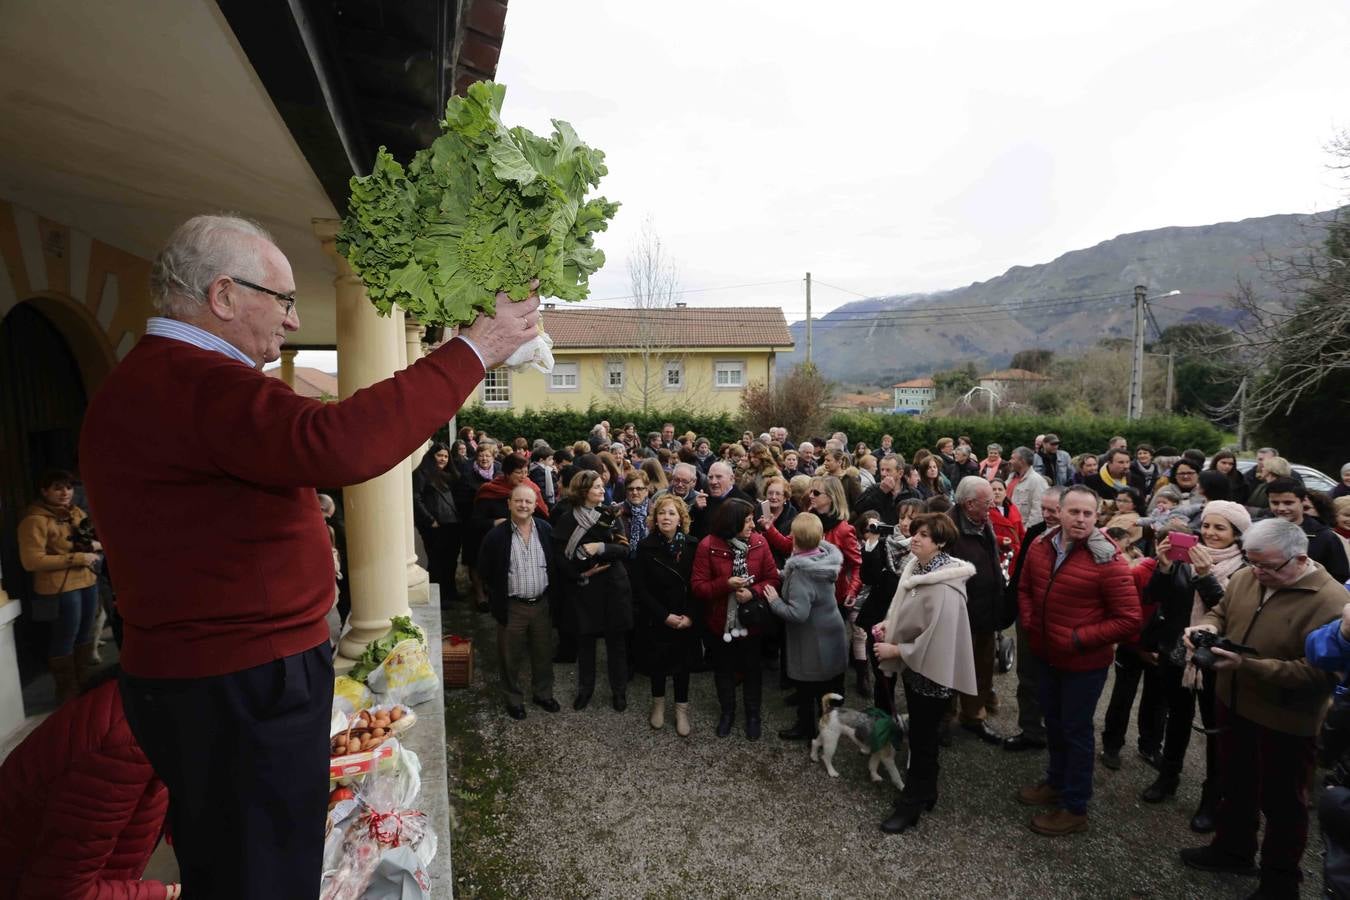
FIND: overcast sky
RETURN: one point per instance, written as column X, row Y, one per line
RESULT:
column 889, row 147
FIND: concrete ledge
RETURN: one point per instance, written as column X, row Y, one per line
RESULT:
column 427, row 740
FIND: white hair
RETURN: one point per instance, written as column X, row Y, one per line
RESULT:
column 969, row 486
column 1276, row 534
column 686, row 468
column 725, row 466
column 198, row 252
column 806, row 445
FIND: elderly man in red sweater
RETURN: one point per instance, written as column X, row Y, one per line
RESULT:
column 1076, row 599
column 203, row 472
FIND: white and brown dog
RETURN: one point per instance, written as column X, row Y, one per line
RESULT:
column 835, row 720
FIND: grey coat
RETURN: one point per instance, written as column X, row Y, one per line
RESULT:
column 816, row 641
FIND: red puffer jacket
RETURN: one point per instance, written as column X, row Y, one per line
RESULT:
column 1072, row 616
column 712, row 568
column 80, row 807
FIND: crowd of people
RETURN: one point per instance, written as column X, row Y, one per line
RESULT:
column 826, row 558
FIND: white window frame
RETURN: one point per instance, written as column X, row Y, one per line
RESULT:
column 496, row 401
column 612, row 369
column 729, row 366
column 561, row 370
column 678, row 366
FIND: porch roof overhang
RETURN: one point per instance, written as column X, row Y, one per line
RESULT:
column 121, row 120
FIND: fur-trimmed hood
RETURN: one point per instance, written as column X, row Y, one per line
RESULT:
column 957, row 571
column 823, row 566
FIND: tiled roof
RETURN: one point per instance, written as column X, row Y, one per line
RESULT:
column 310, row 382
column 916, row 383
column 725, row 326
column 880, row 399
column 1015, row 375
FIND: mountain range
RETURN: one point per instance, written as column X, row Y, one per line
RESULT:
column 1065, row 305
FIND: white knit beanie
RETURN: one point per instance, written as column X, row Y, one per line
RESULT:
column 1235, row 513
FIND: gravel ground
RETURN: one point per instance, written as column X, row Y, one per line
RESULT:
column 597, row 804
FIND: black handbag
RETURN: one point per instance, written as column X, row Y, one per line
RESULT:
column 753, row 613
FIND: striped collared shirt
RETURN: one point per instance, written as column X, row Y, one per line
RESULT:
column 528, row 572
column 160, row 326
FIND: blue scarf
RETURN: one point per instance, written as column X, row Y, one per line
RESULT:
column 637, row 524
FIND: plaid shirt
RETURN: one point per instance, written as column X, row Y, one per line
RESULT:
column 528, row 574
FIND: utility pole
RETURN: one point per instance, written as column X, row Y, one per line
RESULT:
column 1171, row 378
column 808, row 317
column 1136, row 409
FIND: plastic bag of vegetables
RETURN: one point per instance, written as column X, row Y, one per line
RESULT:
column 484, row 209
column 397, row 667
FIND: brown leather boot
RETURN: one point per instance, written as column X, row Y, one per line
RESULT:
column 1038, row 795
column 63, row 673
column 1059, row 822
column 84, row 662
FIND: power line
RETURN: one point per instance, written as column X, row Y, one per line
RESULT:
column 847, row 290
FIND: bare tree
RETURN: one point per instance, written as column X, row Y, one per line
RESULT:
column 1295, row 328
column 654, row 284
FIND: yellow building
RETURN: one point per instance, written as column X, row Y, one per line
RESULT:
column 688, row 357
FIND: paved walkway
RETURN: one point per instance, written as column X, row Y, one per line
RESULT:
column 597, row 804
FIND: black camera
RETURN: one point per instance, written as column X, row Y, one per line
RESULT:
column 878, row 527
column 82, row 537
column 1205, row 642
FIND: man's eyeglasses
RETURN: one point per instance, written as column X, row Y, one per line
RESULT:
column 287, row 300
column 1264, row 567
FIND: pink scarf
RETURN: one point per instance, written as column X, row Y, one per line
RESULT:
column 1226, row 562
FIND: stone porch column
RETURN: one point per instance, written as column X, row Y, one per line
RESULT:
column 288, row 367
column 369, row 349
column 419, row 585
column 11, row 693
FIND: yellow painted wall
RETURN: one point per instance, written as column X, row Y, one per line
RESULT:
column 531, row 389
column 96, row 294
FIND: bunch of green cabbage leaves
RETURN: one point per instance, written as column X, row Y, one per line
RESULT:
column 484, row 209
column 402, row 630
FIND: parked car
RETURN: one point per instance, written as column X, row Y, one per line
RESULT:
column 1313, row 480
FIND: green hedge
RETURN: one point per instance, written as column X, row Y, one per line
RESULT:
column 562, row 427
column 1077, row 433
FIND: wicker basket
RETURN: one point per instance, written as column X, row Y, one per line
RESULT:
column 457, row 659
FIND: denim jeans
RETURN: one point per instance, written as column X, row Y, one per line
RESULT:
column 76, row 613
column 1069, row 700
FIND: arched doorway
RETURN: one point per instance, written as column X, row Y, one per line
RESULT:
column 46, row 386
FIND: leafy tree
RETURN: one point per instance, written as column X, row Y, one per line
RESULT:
column 1035, row 360
column 1048, row 400
column 956, row 381
column 1204, row 384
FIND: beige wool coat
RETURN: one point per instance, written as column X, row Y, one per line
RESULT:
column 927, row 619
